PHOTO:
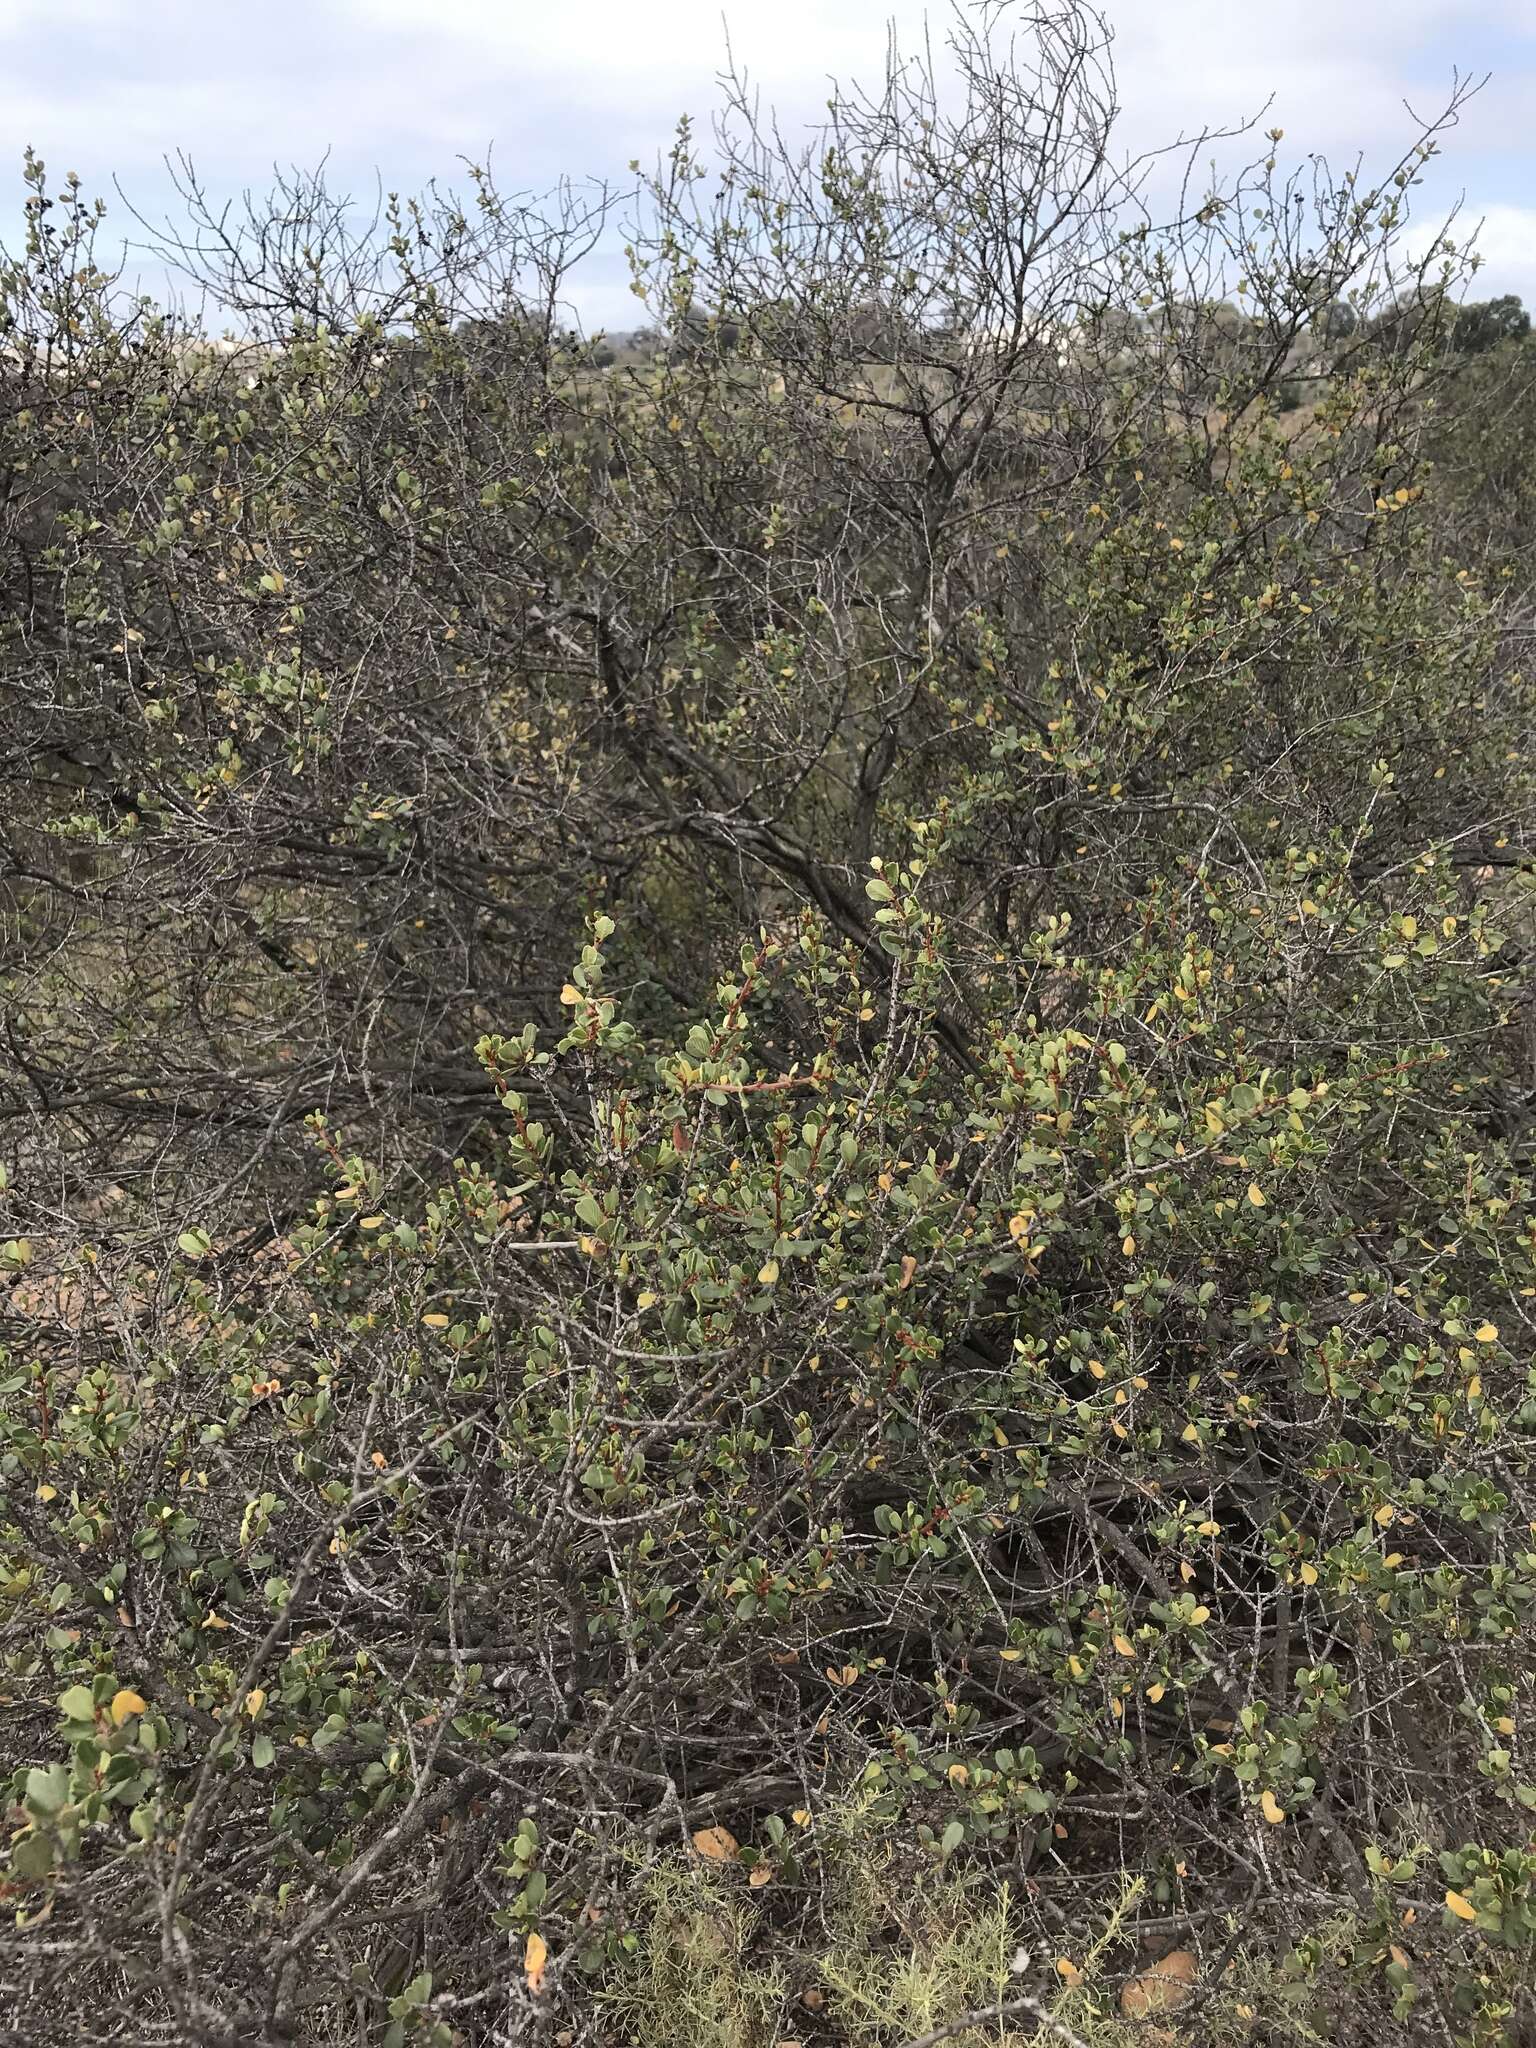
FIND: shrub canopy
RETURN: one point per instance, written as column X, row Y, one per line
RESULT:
column 770, row 1103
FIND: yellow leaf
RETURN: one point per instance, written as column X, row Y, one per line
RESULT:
column 717, row 1845
column 1474, row 1386
column 908, row 1268
column 1208, row 1529
column 1487, row 1333
column 1271, row 1808
column 1199, row 1616
column 212, row 1620
column 759, row 1875
column 768, row 1272
column 1125, row 1646
column 1068, row 1971
column 1010, row 1656
column 570, row 993
column 801, row 1817
column 1159, row 1989
column 1384, row 1516
column 47, row 1492
column 371, row 1222
column 1155, row 1692
column 1256, row 1194
column 435, row 1322
column 1462, row 1908
column 535, row 1956
column 123, row 1704
column 958, row 1774
column 255, row 1700
column 1128, row 1246
column 1309, row 1575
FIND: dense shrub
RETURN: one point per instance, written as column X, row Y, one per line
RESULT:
column 768, row 1117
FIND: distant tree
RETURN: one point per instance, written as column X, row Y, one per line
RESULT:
column 1396, row 325
column 1485, row 325
column 699, row 332
column 1337, row 321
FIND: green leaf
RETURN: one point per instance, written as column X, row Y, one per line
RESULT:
column 78, row 1704
column 32, row 1856
column 328, row 1734
column 263, row 1751
column 47, row 1791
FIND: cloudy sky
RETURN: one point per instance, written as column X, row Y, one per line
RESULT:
column 402, row 89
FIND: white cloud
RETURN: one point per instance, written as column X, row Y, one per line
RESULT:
column 1507, row 241
column 1504, row 237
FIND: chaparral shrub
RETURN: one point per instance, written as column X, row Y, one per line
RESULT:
column 768, row 1232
